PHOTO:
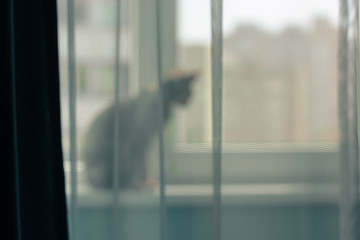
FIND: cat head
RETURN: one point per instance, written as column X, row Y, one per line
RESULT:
column 178, row 87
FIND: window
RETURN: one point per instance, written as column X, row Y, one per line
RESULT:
column 280, row 92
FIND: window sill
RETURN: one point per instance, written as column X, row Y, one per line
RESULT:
column 201, row 195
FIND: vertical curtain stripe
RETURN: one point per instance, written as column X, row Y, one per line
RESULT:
column 160, row 122
column 72, row 115
column 348, row 111
column 216, row 70
column 353, row 171
column 343, row 105
column 355, row 90
column 116, row 124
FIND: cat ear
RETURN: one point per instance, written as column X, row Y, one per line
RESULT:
column 174, row 73
column 191, row 76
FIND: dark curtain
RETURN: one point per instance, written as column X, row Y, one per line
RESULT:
column 33, row 195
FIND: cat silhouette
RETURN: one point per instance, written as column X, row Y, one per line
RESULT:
column 137, row 127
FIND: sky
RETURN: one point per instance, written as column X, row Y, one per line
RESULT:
column 273, row 15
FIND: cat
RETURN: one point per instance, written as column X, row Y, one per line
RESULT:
column 138, row 125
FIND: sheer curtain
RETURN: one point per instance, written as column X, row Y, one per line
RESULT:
column 254, row 154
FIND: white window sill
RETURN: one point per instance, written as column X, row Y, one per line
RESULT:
column 201, row 195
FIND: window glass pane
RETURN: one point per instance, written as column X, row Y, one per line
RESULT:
column 280, row 71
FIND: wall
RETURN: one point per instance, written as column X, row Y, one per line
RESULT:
column 254, row 222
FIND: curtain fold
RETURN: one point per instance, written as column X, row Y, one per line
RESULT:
column 35, row 189
column 160, row 124
column 348, row 118
column 216, row 85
